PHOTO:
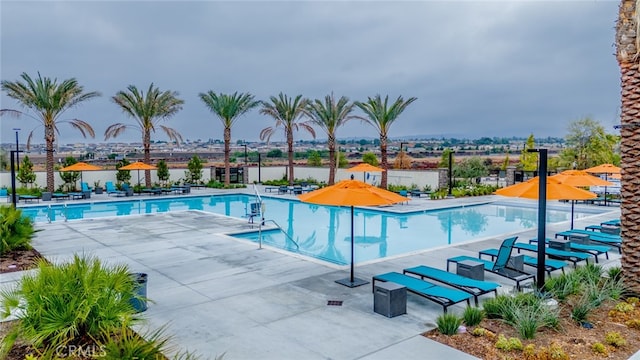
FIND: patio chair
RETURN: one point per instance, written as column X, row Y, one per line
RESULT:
column 85, row 187
column 549, row 264
column 572, row 256
column 599, row 237
column 4, row 193
column 430, row 291
column 111, row 189
column 501, row 265
column 472, row 286
column 594, row 250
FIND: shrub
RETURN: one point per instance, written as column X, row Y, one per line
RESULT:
column 556, row 352
column 16, row 231
column 599, row 348
column 508, row 344
column 615, row 273
column 479, row 331
column 633, row 323
column 633, row 300
column 624, row 307
column 581, row 309
column 84, row 299
column 126, row 344
column 448, row 324
column 561, row 287
column 614, row 338
column 472, row 316
column 529, row 351
column 527, row 313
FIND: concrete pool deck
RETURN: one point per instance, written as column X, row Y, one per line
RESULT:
column 221, row 295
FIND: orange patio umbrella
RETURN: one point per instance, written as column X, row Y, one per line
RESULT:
column 81, row 166
column 555, row 190
column 365, row 168
column 605, row 169
column 352, row 193
column 138, row 165
column 578, row 178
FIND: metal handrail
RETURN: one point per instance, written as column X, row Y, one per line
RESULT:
column 284, row 232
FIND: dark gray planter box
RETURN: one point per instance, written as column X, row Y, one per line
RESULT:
column 560, row 244
column 98, row 190
column 46, row 196
column 390, row 299
column 516, row 262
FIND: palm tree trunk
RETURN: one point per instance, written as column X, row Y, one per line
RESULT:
column 49, row 138
column 227, row 145
column 331, row 141
column 290, row 151
column 627, row 50
column 384, row 163
column 146, row 142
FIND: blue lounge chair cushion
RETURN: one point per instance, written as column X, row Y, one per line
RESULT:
column 569, row 255
column 549, row 264
column 439, row 294
column 472, row 286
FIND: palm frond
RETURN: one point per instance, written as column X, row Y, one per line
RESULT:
column 114, row 130
column 172, row 134
column 83, row 127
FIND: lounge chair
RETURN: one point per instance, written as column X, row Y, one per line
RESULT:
column 501, row 265
column 111, row 189
column 614, row 222
column 572, row 256
column 599, row 237
column 472, row 286
column 283, row 189
column 430, row 291
column 152, row 191
column 4, row 193
column 605, row 229
column 549, row 264
column 85, row 187
column 594, row 250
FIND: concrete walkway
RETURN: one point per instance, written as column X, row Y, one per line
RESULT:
column 221, row 295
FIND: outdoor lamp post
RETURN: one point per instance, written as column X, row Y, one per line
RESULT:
column 14, row 154
column 450, row 173
column 245, row 153
column 259, row 177
column 17, row 149
column 542, row 213
column 401, row 144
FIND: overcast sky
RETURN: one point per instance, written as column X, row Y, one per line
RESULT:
column 498, row 68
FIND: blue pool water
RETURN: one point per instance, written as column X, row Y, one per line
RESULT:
column 324, row 232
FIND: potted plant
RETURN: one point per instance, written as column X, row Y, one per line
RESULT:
column 96, row 186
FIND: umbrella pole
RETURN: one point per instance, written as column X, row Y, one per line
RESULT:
column 352, row 247
column 572, row 201
column 352, row 281
column 542, row 217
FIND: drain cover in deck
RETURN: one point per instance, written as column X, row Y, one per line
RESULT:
column 334, row 302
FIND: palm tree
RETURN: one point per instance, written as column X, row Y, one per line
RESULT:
column 628, row 55
column 147, row 109
column 286, row 111
column 48, row 100
column 228, row 108
column 381, row 116
column 329, row 116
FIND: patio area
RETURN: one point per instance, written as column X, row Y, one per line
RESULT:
column 221, row 295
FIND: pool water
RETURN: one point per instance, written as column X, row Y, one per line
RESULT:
column 324, row 232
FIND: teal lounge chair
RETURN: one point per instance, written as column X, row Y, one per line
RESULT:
column 614, row 222
column 607, row 239
column 85, row 187
column 572, row 256
column 111, row 189
column 549, row 264
column 500, row 265
column 472, row 286
column 594, row 250
column 430, row 291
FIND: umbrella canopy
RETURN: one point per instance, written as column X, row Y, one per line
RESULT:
column 138, row 165
column 364, row 168
column 81, row 166
column 604, row 169
column 555, row 190
column 352, row 193
column 579, row 178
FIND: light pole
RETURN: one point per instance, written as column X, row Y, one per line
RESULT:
column 17, row 149
column 245, row 153
column 450, row 173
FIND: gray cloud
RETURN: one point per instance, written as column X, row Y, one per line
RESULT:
column 477, row 68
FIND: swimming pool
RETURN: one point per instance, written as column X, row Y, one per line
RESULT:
column 324, row 232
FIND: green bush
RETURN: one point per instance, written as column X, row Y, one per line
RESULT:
column 448, row 324
column 472, row 316
column 126, row 344
column 614, row 273
column 614, row 339
column 564, row 285
column 16, row 231
column 84, row 300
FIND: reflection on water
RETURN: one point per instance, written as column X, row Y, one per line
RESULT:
column 470, row 220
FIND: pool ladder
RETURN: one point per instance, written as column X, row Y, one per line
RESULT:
column 63, row 213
